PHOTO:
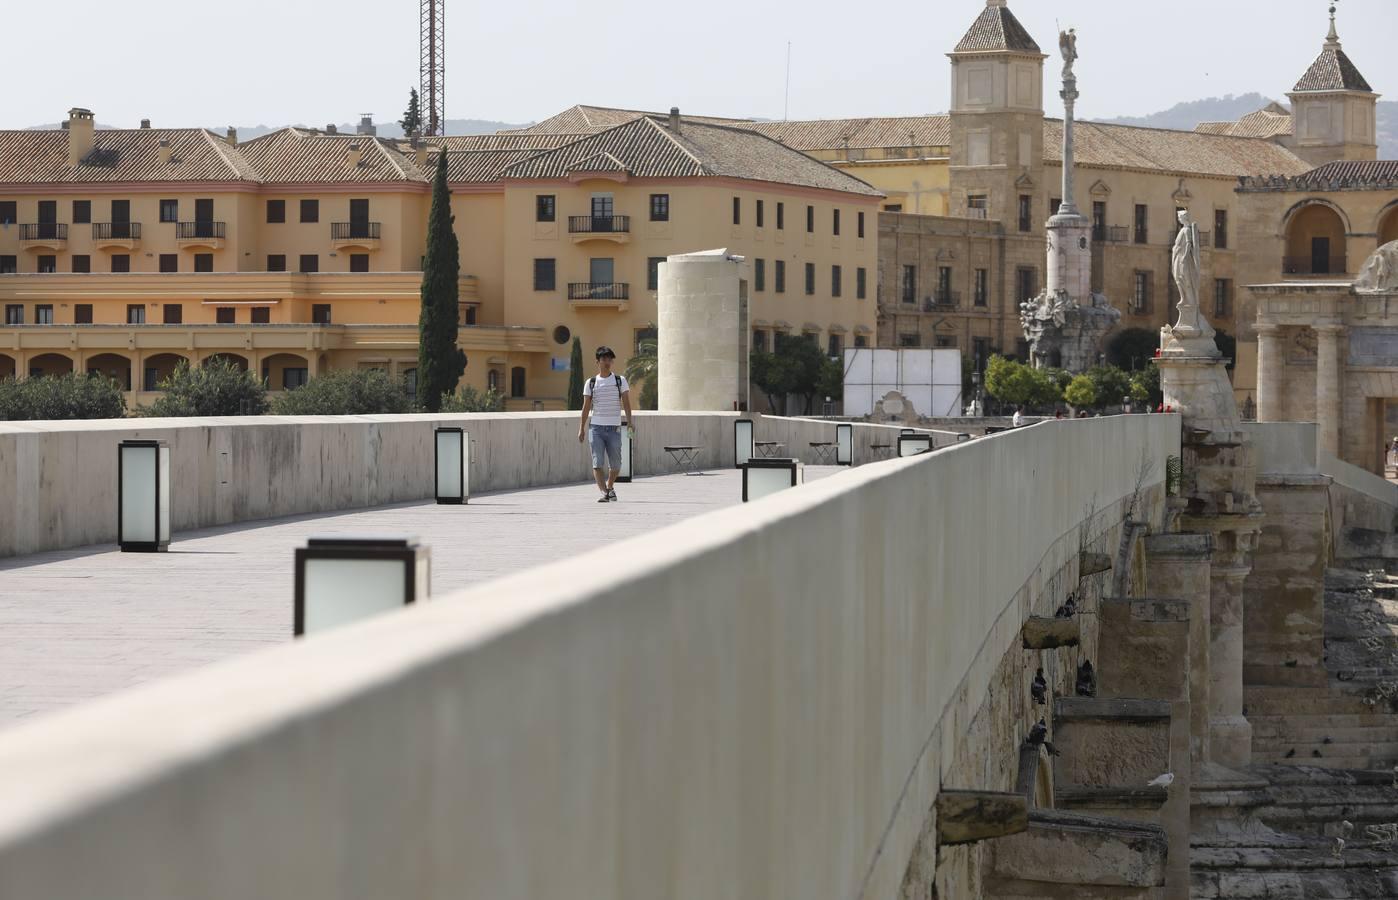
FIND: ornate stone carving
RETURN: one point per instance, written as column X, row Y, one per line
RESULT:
column 1191, row 335
column 1380, row 272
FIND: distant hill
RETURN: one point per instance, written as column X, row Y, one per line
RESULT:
column 1185, row 116
column 386, row 129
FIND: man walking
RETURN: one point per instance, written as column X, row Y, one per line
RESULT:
column 604, row 396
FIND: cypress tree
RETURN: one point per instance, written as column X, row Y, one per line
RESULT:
column 412, row 117
column 440, row 362
column 575, row 376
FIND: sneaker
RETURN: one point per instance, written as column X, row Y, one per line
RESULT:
column 603, row 499
column 611, row 495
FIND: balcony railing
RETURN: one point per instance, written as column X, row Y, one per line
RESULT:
column 942, row 300
column 352, row 231
column 116, row 231
column 43, row 231
column 189, row 231
column 977, row 212
column 1118, row 234
column 599, row 224
column 599, row 290
column 1308, row 265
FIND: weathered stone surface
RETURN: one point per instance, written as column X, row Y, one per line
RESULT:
column 964, row 817
column 1069, row 849
column 1044, row 633
column 1092, row 563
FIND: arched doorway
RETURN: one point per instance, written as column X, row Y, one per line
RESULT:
column 1315, row 242
column 285, row 371
column 111, row 365
column 158, row 368
column 1388, row 225
column 7, row 366
column 49, row 364
column 239, row 362
column 518, row 383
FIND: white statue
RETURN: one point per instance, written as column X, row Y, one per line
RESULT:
column 1185, row 266
column 1380, row 272
column 1068, row 46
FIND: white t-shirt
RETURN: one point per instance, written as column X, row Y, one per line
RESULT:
column 606, row 401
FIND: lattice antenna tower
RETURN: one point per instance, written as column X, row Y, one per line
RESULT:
column 432, row 77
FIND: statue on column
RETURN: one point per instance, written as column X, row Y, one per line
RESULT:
column 1068, row 46
column 1185, row 266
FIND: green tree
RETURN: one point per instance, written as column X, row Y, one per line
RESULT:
column 1133, row 349
column 1228, row 346
column 804, row 364
column 440, row 361
column 470, row 400
column 1110, row 383
column 68, row 396
column 1145, row 386
column 644, row 369
column 216, row 388
column 1081, row 393
column 772, row 374
column 575, row 376
column 832, row 380
column 412, row 118
column 1020, row 385
column 345, row 392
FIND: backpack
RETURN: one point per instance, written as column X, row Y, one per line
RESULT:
column 592, row 385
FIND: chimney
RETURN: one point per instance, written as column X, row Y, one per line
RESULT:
column 80, row 136
column 164, row 151
column 232, row 136
column 675, row 119
column 366, row 124
column 356, row 155
column 145, row 123
column 331, row 129
column 419, row 152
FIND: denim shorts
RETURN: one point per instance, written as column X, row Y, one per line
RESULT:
column 605, row 441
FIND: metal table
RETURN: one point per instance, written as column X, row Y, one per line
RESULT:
column 824, row 452
column 768, row 449
column 686, row 458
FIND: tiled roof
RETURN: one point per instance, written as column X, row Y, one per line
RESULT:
column 1358, row 171
column 592, row 119
column 997, row 29
column 1271, row 121
column 860, row 134
column 120, row 155
column 1184, row 152
column 1332, row 71
column 294, row 155
column 502, row 141
column 1345, row 175
column 482, row 166
column 646, row 148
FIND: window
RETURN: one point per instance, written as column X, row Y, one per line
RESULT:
column 760, row 213
column 121, row 216
column 810, row 278
column 834, row 346
column 653, row 272
column 276, row 262
column 320, row 314
column 1026, row 284
column 169, row 210
column 276, row 211
column 121, row 262
column 203, row 262
column 226, row 315
column 1223, row 297
column 43, row 314
column 310, row 210
column 944, row 341
column 982, row 288
column 545, row 208
column 759, row 274
column 660, row 207
column 9, row 265
column 48, row 264
column 977, row 206
column 859, row 223
column 261, row 315
column 759, row 340
column 1055, row 204
column 1221, row 229
column 82, row 212
column 82, row 263
column 169, row 262
column 1099, row 220
column 517, row 383
column 135, row 314
column 294, row 377
column 910, row 284
column 781, row 276
column 544, row 275
column 893, row 208
column 909, row 340
column 861, row 281
column 1141, row 235
column 1026, row 212
column 359, row 262
column 835, row 222
column 781, row 215
column 980, row 352
column 310, row 262
column 14, row 314
column 944, row 284
column 470, row 314
column 810, row 220
column 836, row 281
column 643, row 335
column 172, row 314
column 1140, row 295
column 9, row 212
column 861, row 341
column 737, row 211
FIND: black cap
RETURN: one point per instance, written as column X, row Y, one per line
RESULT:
column 605, row 351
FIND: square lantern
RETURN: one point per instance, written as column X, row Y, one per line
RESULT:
column 762, row 477
column 143, row 496
column 913, row 444
column 743, row 438
column 344, row 578
column 624, row 476
column 452, row 461
column 844, row 444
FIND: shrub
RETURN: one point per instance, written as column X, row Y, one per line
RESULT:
column 346, row 392
column 1081, row 392
column 216, row 388
column 70, row 396
column 1019, row 385
column 471, row 400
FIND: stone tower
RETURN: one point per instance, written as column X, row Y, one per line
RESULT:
column 1333, row 108
column 997, row 118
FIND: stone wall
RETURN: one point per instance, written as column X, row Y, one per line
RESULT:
column 762, row 701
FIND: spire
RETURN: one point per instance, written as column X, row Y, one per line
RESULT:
column 1332, row 40
column 1332, row 70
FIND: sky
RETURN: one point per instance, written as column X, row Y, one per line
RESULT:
column 276, row 62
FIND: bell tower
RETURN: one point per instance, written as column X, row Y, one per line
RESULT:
column 1333, row 108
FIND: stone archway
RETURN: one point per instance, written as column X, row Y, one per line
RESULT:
column 1370, row 416
column 156, row 369
column 111, row 365
column 285, row 371
column 239, row 361
column 1316, row 240
column 7, row 366
column 49, row 364
column 1388, row 224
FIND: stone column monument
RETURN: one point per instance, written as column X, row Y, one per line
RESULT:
column 702, row 347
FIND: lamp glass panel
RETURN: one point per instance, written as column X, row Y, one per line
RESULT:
column 742, row 442
column 164, row 508
column 340, row 591
column 764, row 481
column 844, row 444
column 912, row 446
column 138, row 479
column 625, row 452
column 465, row 465
column 450, row 463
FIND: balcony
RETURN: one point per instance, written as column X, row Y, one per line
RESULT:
column 1328, row 266
column 355, row 234
column 200, row 234
column 116, row 235
column 43, row 236
column 1118, row 234
column 942, row 300
column 977, row 212
column 600, row 228
column 599, row 294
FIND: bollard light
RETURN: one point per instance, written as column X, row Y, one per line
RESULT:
column 742, row 442
column 762, row 477
column 913, row 444
column 624, row 476
column 452, row 461
column 844, row 444
column 143, row 496
column 344, row 578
